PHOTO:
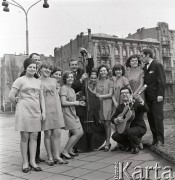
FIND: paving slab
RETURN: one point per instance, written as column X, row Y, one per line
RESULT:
column 87, row 166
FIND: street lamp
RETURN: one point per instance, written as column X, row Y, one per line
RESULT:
column 6, row 9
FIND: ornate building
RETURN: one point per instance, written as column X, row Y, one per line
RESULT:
column 110, row 50
column 105, row 49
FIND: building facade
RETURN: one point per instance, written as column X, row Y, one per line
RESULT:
column 166, row 37
column 110, row 50
column 11, row 66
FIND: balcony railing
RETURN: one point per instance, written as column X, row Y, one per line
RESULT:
column 166, row 43
column 166, row 54
column 168, row 68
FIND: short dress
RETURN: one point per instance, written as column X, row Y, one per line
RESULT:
column 28, row 111
column 54, row 114
column 135, row 76
column 72, row 121
column 103, row 87
column 118, row 84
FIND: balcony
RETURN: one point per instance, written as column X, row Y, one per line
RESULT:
column 169, row 81
column 166, row 54
column 165, row 43
column 168, row 68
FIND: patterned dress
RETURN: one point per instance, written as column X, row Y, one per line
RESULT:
column 135, row 76
column 54, row 114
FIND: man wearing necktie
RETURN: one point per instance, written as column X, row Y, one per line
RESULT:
column 155, row 79
column 79, row 74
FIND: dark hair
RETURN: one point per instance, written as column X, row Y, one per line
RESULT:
column 132, row 57
column 31, row 55
column 55, row 69
column 93, row 71
column 118, row 67
column 27, row 62
column 148, row 51
column 65, row 76
column 46, row 64
column 126, row 87
column 101, row 66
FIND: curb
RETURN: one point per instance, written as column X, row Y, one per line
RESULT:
column 161, row 151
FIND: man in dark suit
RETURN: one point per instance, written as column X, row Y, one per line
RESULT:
column 155, row 79
column 131, row 136
column 79, row 74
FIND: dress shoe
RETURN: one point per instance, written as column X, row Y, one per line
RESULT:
column 38, row 160
column 25, row 170
column 35, row 168
column 135, row 150
column 153, row 142
column 159, row 143
column 65, row 157
column 73, row 155
column 107, row 147
column 75, row 150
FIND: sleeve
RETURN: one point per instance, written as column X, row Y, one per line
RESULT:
column 125, row 81
column 161, row 80
column 117, row 112
column 111, row 84
column 90, row 65
column 143, row 108
column 63, row 91
column 141, row 74
column 17, row 84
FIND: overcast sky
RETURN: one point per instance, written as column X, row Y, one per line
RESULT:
column 64, row 19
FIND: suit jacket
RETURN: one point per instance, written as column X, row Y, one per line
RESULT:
column 77, row 85
column 139, row 112
column 155, row 79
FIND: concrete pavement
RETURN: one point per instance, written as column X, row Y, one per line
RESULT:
column 87, row 166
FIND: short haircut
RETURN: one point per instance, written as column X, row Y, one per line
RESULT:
column 46, row 64
column 126, row 87
column 118, row 67
column 132, row 57
column 101, row 66
column 65, row 76
column 71, row 60
column 55, row 69
column 148, row 51
column 31, row 55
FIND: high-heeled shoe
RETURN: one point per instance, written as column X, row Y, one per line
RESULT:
column 58, row 161
column 25, row 170
column 65, row 157
column 35, row 168
column 107, row 147
column 73, row 155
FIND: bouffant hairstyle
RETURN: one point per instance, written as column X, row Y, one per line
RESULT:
column 148, row 51
column 65, row 76
column 101, row 66
column 46, row 64
column 132, row 57
column 126, row 87
column 118, row 67
column 55, row 69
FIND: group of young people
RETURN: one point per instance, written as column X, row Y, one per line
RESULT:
column 48, row 104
